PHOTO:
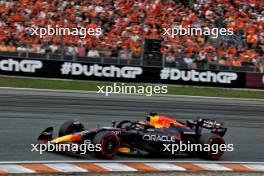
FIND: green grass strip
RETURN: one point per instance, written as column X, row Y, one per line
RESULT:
column 92, row 86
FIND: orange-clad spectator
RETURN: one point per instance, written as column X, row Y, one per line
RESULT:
column 236, row 62
column 222, row 62
column 232, row 51
column 2, row 36
column 2, row 47
column 10, row 48
column 251, row 39
column 191, row 49
column 248, row 55
column 222, row 53
column 262, row 47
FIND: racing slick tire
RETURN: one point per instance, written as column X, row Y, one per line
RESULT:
column 109, row 144
column 211, row 139
column 69, row 127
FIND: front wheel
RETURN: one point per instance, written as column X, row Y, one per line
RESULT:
column 212, row 142
column 109, row 144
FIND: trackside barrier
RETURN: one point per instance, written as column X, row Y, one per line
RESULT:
column 124, row 73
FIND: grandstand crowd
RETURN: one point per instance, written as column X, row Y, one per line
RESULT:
column 126, row 23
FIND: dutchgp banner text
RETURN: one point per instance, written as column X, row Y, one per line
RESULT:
column 121, row 73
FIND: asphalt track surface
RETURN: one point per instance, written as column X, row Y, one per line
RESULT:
column 25, row 113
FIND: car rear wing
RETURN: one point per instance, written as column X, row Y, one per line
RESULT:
column 211, row 125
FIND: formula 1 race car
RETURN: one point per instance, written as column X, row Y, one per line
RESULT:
column 158, row 135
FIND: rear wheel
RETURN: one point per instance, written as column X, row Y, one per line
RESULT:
column 213, row 142
column 109, row 144
column 69, row 127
